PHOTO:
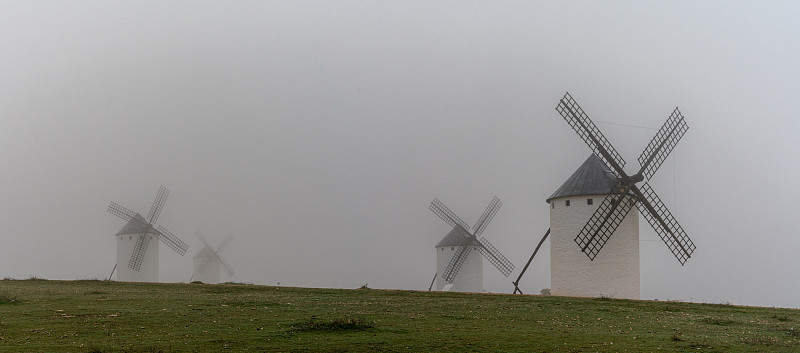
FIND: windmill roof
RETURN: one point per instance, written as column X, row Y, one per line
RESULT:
column 205, row 253
column 593, row 177
column 454, row 238
column 137, row 225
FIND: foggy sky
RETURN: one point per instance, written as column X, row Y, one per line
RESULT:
column 318, row 133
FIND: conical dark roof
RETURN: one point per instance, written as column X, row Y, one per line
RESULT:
column 205, row 253
column 592, row 178
column 137, row 225
column 454, row 238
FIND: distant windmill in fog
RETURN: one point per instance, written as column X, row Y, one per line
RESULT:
column 461, row 269
column 133, row 241
column 208, row 262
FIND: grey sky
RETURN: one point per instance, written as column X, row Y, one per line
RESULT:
column 318, row 132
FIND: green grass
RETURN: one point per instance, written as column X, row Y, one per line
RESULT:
column 103, row 316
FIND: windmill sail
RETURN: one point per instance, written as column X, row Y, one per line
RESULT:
column 613, row 210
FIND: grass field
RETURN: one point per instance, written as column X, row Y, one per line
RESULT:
column 102, row 316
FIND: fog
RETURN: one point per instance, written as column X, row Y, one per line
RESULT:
column 317, row 133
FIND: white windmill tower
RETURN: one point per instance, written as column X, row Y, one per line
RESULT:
column 614, row 274
column 207, row 262
column 134, row 238
column 575, row 210
column 461, row 269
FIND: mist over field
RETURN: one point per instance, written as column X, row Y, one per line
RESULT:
column 318, row 133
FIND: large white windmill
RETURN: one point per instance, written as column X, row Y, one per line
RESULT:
column 208, row 262
column 134, row 238
column 593, row 210
column 461, row 269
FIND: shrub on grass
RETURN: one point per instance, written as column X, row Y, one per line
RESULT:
column 342, row 324
column 782, row 318
column 8, row 299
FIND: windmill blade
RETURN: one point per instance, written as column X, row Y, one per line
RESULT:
column 225, row 266
column 447, row 215
column 224, row 244
column 588, row 131
column 662, row 144
column 139, row 250
column 495, row 257
column 121, row 212
column 456, row 262
column 487, row 216
column 203, row 239
column 664, row 223
column 172, row 241
column 206, row 262
column 158, row 204
column 605, row 220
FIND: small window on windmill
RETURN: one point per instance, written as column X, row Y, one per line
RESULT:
column 130, row 237
column 567, row 203
column 452, row 248
column 589, row 201
column 553, row 204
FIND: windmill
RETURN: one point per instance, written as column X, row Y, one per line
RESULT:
column 615, row 272
column 208, row 261
column 133, row 240
column 464, row 269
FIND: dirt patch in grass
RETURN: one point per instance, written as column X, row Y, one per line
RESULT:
column 763, row 340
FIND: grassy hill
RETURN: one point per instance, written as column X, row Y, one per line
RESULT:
column 101, row 316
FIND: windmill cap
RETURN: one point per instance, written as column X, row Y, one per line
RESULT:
column 137, row 225
column 205, row 253
column 454, row 238
column 593, row 177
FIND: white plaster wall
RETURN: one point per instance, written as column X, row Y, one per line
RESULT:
column 209, row 275
column 615, row 270
column 149, row 270
column 468, row 279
